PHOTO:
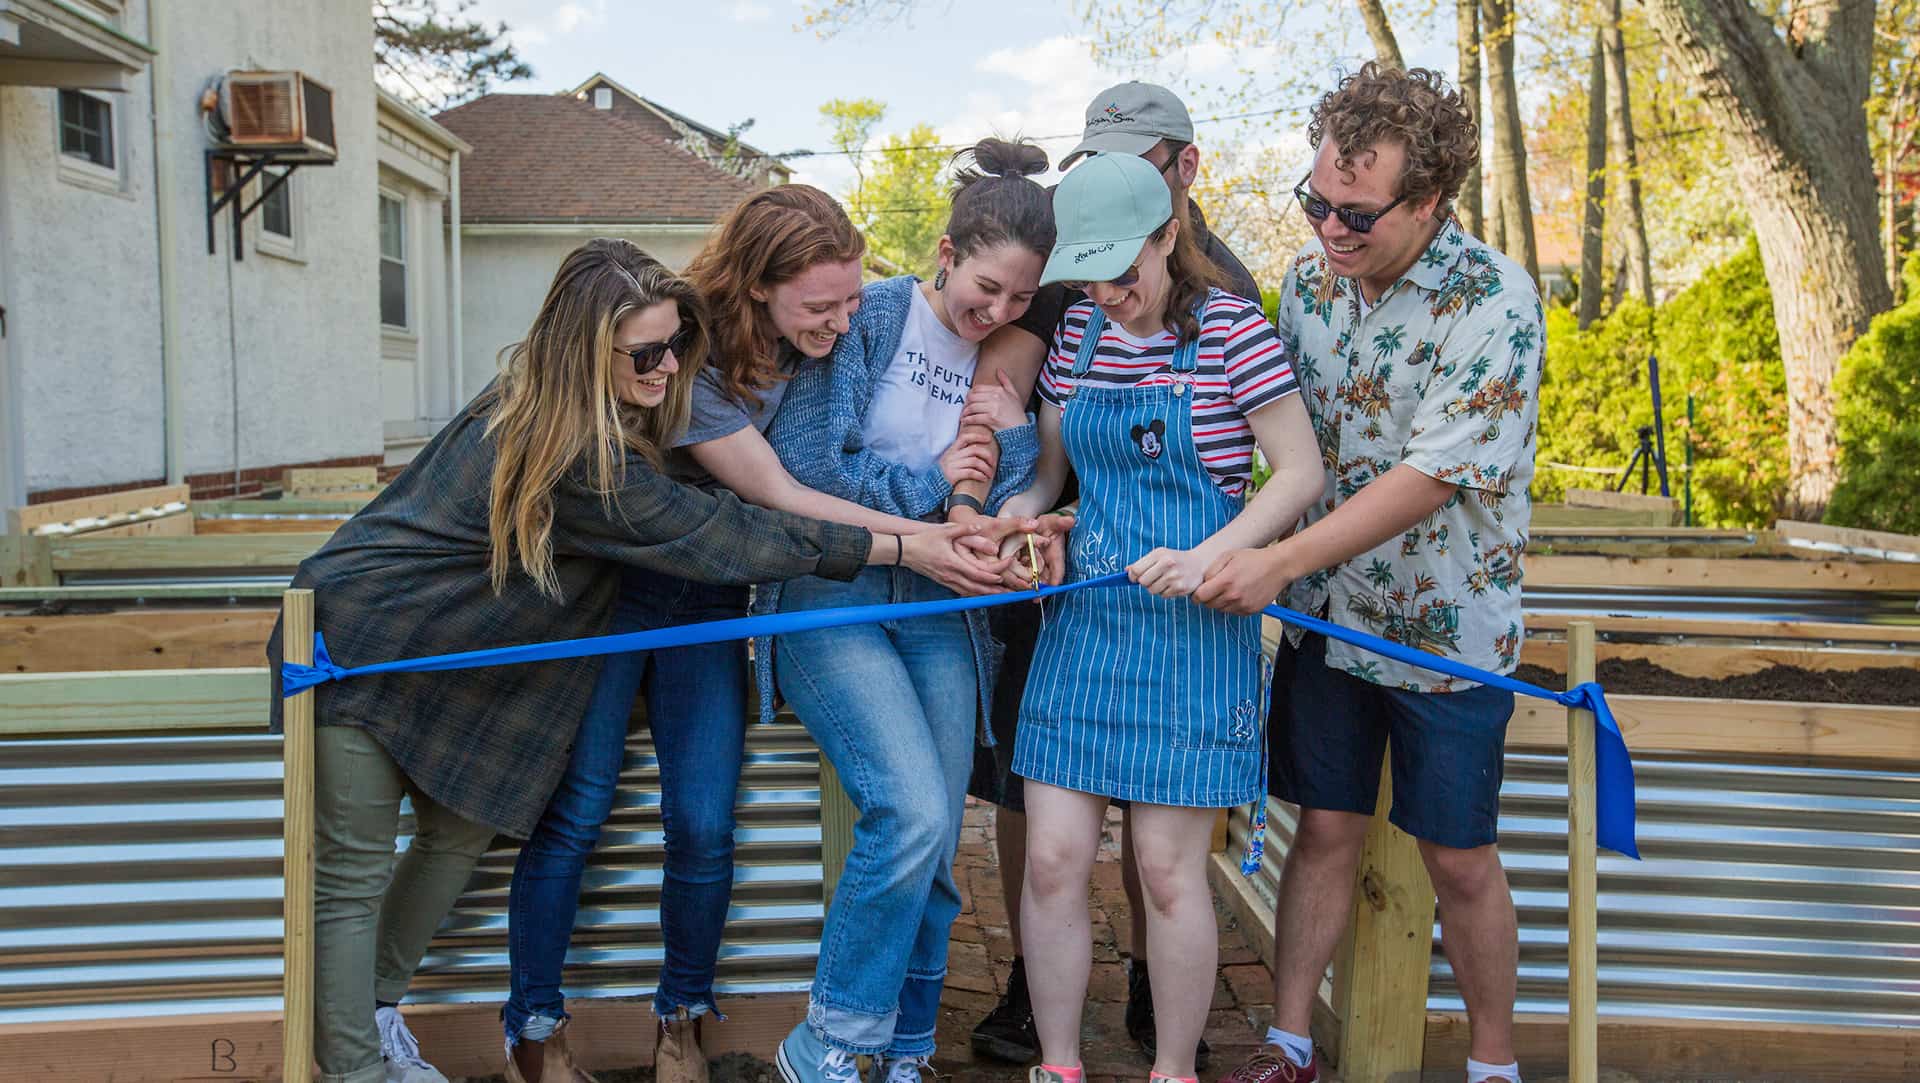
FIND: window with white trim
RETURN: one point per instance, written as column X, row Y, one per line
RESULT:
column 86, row 128
column 393, row 261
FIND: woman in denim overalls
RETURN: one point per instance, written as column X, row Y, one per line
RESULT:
column 1157, row 390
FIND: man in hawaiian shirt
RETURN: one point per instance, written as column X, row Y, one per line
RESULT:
column 1418, row 349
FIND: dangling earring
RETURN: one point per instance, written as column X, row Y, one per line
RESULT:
column 940, row 279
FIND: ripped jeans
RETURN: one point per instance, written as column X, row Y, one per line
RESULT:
column 696, row 709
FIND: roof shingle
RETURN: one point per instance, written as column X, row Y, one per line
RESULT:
column 553, row 158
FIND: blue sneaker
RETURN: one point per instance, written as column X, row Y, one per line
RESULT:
column 804, row 1058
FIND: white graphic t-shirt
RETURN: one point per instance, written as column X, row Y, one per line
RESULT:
column 915, row 412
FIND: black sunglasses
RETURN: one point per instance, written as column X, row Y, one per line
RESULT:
column 1317, row 209
column 648, row 356
column 1120, row 281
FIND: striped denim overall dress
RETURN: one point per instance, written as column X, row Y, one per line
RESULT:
column 1134, row 696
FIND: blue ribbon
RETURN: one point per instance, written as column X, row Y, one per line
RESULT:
column 1613, row 767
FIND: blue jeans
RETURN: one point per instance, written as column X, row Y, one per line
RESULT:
column 892, row 706
column 696, row 709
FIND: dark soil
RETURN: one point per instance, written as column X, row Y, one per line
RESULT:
column 1639, row 677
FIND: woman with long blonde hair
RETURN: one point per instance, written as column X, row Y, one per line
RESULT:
column 513, row 525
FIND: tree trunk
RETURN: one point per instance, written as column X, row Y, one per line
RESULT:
column 1792, row 116
column 1496, row 214
column 1594, row 224
column 1497, row 23
column 1385, row 46
column 1626, row 153
column 1890, row 207
column 1467, row 20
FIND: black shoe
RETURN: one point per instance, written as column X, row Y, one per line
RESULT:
column 1007, row 1033
column 1140, row 1015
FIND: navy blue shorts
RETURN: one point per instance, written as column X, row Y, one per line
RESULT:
column 1327, row 730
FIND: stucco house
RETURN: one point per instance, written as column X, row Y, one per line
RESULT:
column 549, row 171
column 421, row 382
column 140, row 343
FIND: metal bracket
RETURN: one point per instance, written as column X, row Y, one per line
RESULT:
column 235, row 195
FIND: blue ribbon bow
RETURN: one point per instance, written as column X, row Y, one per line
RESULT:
column 1613, row 766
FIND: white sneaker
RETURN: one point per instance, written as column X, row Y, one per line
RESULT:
column 402, row 1053
column 902, row 1070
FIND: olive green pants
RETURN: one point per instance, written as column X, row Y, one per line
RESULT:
column 373, row 916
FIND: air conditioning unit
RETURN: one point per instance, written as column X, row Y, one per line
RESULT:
column 284, row 113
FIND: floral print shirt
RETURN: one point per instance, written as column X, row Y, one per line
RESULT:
column 1441, row 373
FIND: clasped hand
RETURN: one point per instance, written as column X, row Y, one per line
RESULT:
column 987, row 555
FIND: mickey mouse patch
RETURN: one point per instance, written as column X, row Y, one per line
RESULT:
column 1150, row 438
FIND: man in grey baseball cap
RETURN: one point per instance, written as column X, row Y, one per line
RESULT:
column 1139, row 120
column 1132, row 118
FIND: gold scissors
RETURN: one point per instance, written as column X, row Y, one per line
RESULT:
column 1033, row 562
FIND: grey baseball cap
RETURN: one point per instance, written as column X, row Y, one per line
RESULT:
column 1130, row 119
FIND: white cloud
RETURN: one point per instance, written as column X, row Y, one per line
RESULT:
column 539, row 29
column 1042, row 94
column 745, row 11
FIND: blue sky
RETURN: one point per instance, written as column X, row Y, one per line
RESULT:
column 984, row 67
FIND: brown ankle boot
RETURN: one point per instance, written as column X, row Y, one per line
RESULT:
column 556, row 1062
column 677, row 1056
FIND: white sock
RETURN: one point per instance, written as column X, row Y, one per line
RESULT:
column 1298, row 1049
column 1480, row 1071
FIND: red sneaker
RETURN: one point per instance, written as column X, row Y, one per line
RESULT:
column 1266, row 1068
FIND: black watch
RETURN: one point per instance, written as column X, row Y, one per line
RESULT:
column 961, row 500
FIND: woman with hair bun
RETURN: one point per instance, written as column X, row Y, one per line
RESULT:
column 895, row 706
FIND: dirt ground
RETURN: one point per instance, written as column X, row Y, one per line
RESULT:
column 1638, row 677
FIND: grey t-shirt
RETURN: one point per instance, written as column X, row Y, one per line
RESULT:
column 716, row 413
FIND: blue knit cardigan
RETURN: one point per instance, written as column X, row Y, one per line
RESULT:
column 818, row 434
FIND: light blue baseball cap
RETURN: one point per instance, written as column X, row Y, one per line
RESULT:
column 1103, row 212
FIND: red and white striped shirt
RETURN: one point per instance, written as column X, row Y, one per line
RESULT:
column 1242, row 366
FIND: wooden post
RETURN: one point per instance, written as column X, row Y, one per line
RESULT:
column 1381, row 969
column 26, row 560
column 1583, row 994
column 296, row 788
column 837, row 817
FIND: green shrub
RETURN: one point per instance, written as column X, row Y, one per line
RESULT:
column 1716, row 340
column 1877, row 392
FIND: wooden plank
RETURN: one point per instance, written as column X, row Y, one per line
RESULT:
column 1381, row 967
column 344, row 506
column 462, row 1040
column 1716, row 575
column 1549, row 515
column 1786, row 630
column 166, row 554
column 1803, row 731
column 26, row 520
column 133, row 639
column 1820, row 535
column 1679, row 1049
column 297, row 826
column 151, row 701
column 1583, row 936
column 308, row 481
column 1656, row 542
column 303, row 525
column 25, row 561
column 137, row 592
column 1699, row 660
column 1606, row 498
